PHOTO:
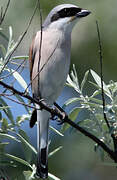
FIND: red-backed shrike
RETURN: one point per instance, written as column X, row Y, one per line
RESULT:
column 49, row 75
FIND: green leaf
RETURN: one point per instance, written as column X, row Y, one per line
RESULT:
column 70, row 101
column 22, row 118
column 98, row 81
column 74, row 76
column 19, row 78
column 4, row 107
column 7, row 136
column 24, row 135
column 56, row 131
column 4, row 163
column 29, row 148
column 95, row 93
column 96, row 100
column 4, row 125
column 53, row 177
column 10, row 34
column 22, row 101
column 2, row 147
column 11, row 43
column 84, row 80
column 4, row 36
column 55, row 151
column 89, row 104
column 73, row 80
column 3, row 49
column 30, row 174
column 15, row 158
column 70, row 82
column 72, row 115
column 20, row 57
column 7, row 111
column 73, row 83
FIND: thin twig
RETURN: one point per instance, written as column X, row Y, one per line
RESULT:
column 3, row 15
column 21, row 37
column 103, row 98
column 101, row 74
column 40, row 44
column 9, row 74
column 18, row 102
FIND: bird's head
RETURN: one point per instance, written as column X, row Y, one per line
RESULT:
column 64, row 17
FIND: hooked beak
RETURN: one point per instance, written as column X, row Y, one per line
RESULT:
column 83, row 13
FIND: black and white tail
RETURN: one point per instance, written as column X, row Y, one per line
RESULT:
column 42, row 143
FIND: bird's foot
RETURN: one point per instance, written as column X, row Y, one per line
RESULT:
column 62, row 121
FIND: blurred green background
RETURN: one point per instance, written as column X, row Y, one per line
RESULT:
column 77, row 159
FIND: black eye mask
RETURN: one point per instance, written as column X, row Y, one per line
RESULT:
column 66, row 12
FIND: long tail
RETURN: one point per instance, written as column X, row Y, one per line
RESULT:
column 42, row 143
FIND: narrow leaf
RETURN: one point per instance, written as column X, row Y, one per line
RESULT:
column 53, row 176
column 55, row 151
column 4, row 125
column 15, row 158
column 29, row 146
column 56, row 131
column 2, row 147
column 7, row 111
column 3, row 49
column 7, row 136
column 19, row 78
column 20, row 57
column 98, row 81
column 22, row 101
column 70, row 101
column 72, row 115
column 84, row 80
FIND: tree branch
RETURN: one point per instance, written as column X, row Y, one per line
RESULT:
column 59, row 112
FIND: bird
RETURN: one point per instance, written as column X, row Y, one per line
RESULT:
column 49, row 67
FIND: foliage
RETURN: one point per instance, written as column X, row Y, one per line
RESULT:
column 95, row 122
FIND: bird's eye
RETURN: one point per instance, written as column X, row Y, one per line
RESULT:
column 66, row 12
column 55, row 17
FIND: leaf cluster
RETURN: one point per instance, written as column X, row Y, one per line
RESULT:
column 93, row 104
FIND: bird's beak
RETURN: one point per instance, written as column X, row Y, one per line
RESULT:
column 83, row 13
column 80, row 14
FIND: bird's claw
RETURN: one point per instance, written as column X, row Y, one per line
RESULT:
column 60, row 122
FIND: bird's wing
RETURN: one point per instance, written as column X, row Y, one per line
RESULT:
column 31, row 56
column 48, row 48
